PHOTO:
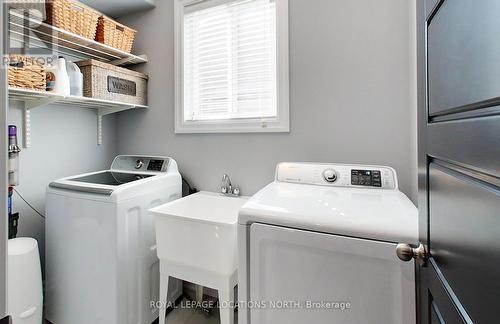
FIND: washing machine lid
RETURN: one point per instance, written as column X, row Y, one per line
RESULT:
column 101, row 182
column 111, row 178
column 363, row 212
column 125, row 169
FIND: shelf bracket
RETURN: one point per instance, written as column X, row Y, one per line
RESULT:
column 99, row 128
column 36, row 103
column 28, row 105
column 27, row 128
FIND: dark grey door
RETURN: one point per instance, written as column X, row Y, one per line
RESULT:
column 459, row 160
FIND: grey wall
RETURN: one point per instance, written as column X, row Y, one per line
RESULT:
column 64, row 143
column 118, row 8
column 351, row 97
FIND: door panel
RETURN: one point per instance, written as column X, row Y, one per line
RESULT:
column 462, row 58
column 465, row 238
column 440, row 307
column 472, row 142
column 459, row 160
column 302, row 266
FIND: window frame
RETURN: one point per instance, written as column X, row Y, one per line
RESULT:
column 280, row 123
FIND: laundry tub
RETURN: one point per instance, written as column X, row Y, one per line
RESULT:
column 24, row 294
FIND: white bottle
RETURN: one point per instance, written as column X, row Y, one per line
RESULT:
column 75, row 79
column 57, row 78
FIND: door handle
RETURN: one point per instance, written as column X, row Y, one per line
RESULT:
column 406, row 252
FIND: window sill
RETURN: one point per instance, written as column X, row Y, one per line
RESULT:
column 232, row 126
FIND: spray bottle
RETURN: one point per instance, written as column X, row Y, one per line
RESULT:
column 13, row 156
column 13, row 178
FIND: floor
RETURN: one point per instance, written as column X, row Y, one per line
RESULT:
column 183, row 315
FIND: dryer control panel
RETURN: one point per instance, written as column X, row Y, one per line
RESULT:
column 338, row 175
column 137, row 163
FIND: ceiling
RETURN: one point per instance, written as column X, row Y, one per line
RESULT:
column 118, row 8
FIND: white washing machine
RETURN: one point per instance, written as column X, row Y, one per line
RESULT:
column 318, row 245
column 101, row 264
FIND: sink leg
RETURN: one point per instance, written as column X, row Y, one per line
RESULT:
column 163, row 296
column 199, row 293
column 226, row 300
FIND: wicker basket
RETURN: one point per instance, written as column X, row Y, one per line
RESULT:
column 114, row 34
column 25, row 72
column 109, row 82
column 73, row 16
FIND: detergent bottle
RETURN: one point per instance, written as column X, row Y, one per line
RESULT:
column 57, row 78
column 75, row 79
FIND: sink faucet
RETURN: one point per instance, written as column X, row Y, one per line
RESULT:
column 227, row 187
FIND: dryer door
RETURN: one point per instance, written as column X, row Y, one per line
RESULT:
column 301, row 277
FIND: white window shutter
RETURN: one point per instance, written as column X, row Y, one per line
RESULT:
column 229, row 61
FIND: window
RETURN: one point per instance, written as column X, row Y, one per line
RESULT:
column 231, row 66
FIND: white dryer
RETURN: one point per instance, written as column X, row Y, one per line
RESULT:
column 101, row 264
column 318, row 245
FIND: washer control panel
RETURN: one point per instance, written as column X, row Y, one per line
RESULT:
column 338, row 175
column 135, row 163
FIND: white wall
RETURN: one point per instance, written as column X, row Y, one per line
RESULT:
column 351, row 97
column 64, row 143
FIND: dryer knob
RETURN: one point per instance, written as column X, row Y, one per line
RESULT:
column 330, row 175
column 139, row 164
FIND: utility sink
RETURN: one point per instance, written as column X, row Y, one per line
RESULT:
column 199, row 231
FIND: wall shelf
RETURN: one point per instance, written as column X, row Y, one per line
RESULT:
column 41, row 39
column 33, row 99
column 35, row 34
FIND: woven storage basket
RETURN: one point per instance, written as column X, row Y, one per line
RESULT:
column 114, row 34
column 73, row 16
column 109, row 82
column 25, row 72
